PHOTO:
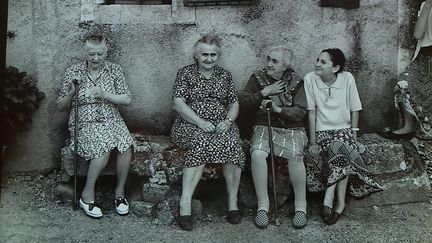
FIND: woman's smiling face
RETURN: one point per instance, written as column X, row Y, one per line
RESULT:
column 324, row 65
column 207, row 55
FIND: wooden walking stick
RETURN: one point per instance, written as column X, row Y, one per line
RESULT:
column 75, row 201
column 268, row 108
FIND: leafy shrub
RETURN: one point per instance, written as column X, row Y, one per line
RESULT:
column 19, row 98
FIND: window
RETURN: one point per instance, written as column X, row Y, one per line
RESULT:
column 192, row 3
column 139, row 2
column 341, row 3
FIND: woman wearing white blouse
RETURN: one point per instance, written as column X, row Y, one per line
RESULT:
column 332, row 158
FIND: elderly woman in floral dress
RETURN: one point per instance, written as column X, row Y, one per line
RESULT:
column 101, row 129
column 207, row 105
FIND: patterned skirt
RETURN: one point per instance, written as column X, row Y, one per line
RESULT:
column 339, row 158
column 96, row 139
column 202, row 147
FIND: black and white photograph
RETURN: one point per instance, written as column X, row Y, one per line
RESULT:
column 216, row 121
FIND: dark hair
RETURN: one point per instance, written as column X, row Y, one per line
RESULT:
column 337, row 57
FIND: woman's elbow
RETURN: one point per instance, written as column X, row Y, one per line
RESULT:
column 418, row 35
column 127, row 100
column 177, row 104
column 60, row 106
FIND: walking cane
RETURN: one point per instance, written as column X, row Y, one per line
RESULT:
column 75, row 201
column 268, row 108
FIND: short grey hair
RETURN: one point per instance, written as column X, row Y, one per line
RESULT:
column 287, row 53
column 95, row 40
column 209, row 40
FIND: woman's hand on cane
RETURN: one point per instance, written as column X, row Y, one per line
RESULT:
column 74, row 79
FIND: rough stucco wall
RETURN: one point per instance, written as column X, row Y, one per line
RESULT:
column 151, row 47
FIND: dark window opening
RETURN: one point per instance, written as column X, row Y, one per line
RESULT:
column 193, row 3
column 349, row 4
column 139, row 2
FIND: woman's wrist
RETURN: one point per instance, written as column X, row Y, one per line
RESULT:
column 312, row 143
column 229, row 121
column 105, row 95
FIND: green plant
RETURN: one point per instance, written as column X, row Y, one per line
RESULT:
column 19, row 98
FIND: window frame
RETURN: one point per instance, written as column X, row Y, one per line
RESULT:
column 200, row 3
column 137, row 2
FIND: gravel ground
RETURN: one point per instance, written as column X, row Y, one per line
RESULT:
column 28, row 213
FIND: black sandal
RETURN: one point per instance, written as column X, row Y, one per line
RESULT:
column 185, row 222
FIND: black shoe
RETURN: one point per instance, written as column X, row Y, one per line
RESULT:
column 234, row 217
column 326, row 214
column 185, row 222
column 392, row 135
column 334, row 218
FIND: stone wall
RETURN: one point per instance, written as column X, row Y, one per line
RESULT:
column 152, row 42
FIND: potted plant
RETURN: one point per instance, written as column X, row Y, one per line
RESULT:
column 19, row 98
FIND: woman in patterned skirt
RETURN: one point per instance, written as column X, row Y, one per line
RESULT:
column 101, row 129
column 332, row 159
column 207, row 105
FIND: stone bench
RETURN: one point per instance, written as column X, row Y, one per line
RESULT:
column 396, row 165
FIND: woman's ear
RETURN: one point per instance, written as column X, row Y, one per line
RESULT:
column 336, row 69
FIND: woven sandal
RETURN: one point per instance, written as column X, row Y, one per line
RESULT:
column 299, row 220
column 261, row 219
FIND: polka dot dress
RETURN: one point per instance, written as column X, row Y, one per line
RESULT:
column 209, row 99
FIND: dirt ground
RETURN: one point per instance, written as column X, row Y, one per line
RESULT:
column 28, row 213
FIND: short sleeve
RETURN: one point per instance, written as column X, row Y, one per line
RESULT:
column 232, row 93
column 121, row 86
column 309, row 91
column 65, row 86
column 354, row 98
column 421, row 8
column 181, row 86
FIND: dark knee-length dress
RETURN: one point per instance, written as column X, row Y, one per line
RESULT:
column 209, row 99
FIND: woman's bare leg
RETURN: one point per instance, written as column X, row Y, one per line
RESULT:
column 191, row 177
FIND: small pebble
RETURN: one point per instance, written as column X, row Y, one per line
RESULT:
column 375, row 207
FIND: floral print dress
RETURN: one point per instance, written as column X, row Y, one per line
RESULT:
column 100, row 125
column 209, row 99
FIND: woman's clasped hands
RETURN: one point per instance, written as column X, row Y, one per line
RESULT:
column 96, row 92
column 221, row 127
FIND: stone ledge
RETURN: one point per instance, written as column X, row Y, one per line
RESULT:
column 158, row 163
column 398, row 190
column 155, row 154
column 383, row 155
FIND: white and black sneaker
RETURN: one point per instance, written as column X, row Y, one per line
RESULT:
column 90, row 209
column 122, row 205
